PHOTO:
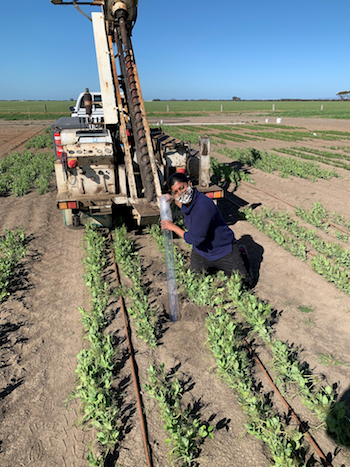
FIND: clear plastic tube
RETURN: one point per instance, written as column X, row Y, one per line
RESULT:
column 165, row 213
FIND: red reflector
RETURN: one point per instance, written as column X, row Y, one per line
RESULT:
column 128, row 133
column 72, row 163
column 59, row 151
column 57, row 137
column 210, row 194
column 72, row 205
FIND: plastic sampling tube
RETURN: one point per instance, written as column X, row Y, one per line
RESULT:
column 165, row 213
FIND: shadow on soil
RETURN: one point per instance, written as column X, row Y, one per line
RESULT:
column 10, row 388
column 20, row 282
column 229, row 209
column 338, row 420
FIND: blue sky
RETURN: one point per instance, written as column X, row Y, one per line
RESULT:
column 190, row 49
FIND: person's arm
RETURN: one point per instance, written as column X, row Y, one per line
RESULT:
column 165, row 224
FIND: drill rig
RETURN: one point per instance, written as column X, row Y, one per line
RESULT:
column 119, row 161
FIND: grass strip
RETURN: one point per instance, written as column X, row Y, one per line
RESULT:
column 32, row 116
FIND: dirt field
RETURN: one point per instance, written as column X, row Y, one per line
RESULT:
column 41, row 330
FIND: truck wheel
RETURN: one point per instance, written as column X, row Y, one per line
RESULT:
column 76, row 220
column 70, row 220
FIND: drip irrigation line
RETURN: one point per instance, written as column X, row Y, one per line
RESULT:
column 290, row 410
column 286, row 202
column 133, row 366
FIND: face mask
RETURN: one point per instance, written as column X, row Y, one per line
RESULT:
column 186, row 196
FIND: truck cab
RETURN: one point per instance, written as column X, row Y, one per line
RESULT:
column 97, row 110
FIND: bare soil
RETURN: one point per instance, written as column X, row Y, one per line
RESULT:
column 14, row 135
column 41, row 330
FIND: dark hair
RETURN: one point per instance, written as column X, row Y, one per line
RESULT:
column 177, row 177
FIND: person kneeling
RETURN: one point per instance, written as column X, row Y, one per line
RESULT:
column 213, row 242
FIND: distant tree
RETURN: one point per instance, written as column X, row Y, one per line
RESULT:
column 344, row 95
column 156, row 100
column 71, row 99
column 235, row 98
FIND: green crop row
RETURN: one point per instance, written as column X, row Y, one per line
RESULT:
column 225, row 340
column 319, row 217
column 283, row 135
column 316, row 216
column 236, row 137
column 186, row 432
column 273, row 224
column 305, row 155
column 217, row 290
column 326, row 154
column 95, row 364
column 271, row 162
column 328, row 249
column 331, row 252
column 40, row 141
column 19, row 172
column 12, row 250
column 144, row 316
column 187, row 135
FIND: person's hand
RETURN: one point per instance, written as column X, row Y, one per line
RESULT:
column 169, row 198
column 168, row 225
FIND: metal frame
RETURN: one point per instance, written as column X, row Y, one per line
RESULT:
column 94, row 2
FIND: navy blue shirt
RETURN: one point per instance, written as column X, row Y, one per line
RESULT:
column 206, row 229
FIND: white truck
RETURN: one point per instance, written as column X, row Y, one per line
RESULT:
column 103, row 167
column 79, row 109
